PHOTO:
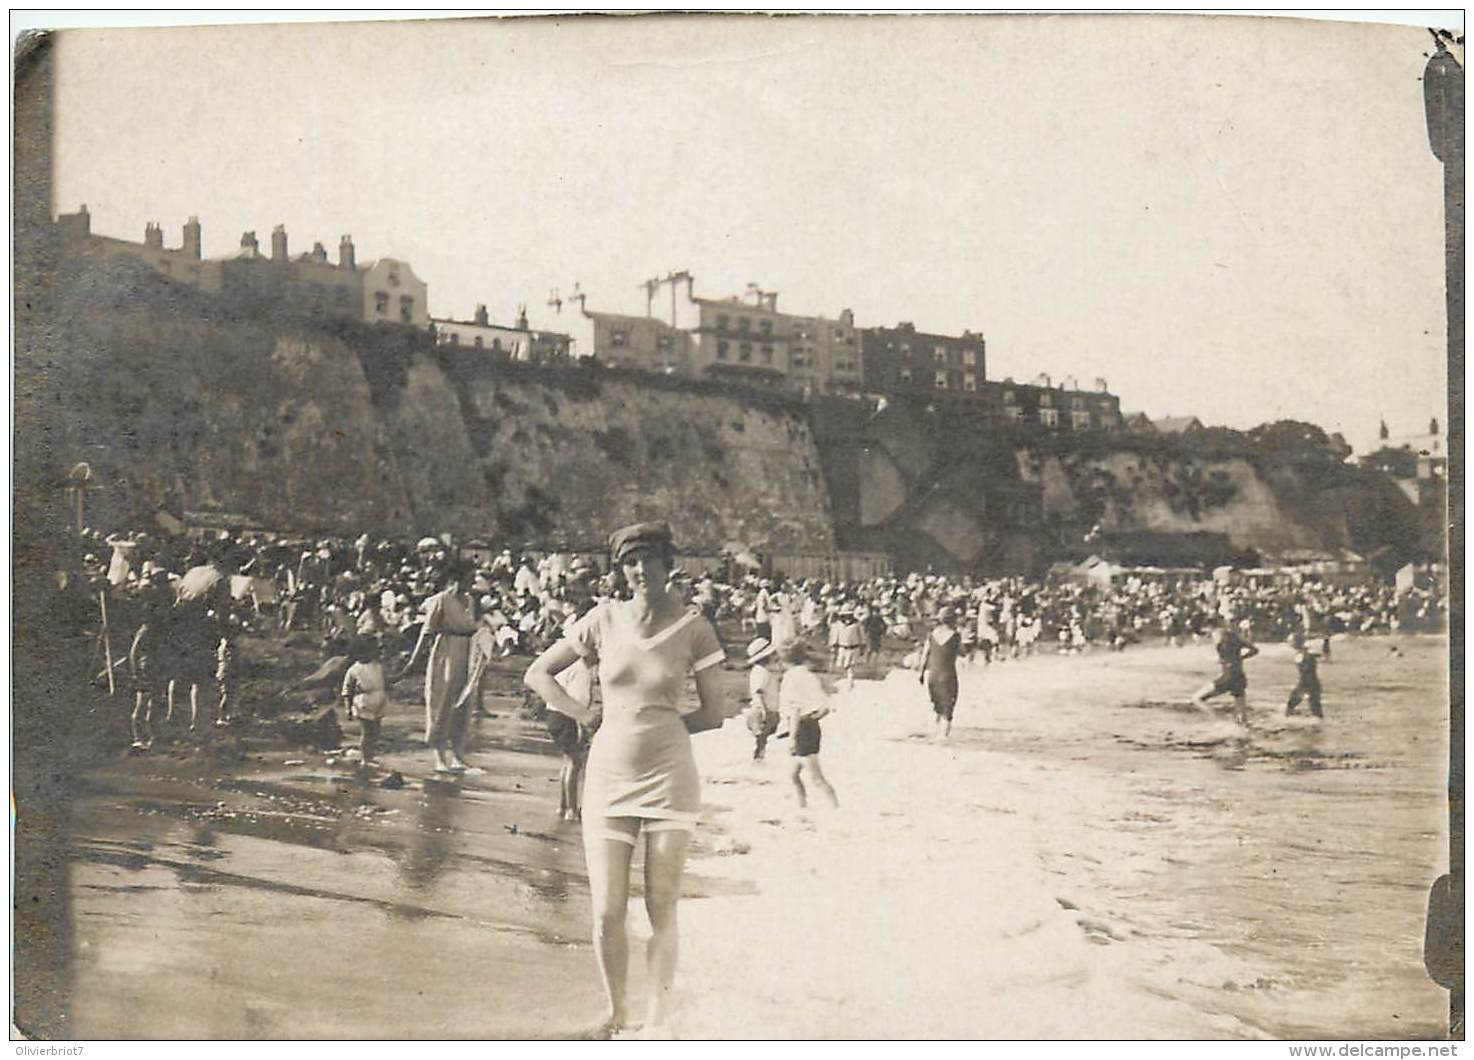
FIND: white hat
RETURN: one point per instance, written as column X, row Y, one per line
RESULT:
column 759, row 650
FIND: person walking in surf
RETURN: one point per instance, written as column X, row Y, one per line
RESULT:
column 1232, row 651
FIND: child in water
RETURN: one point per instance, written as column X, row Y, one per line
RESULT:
column 1308, row 687
column 804, row 703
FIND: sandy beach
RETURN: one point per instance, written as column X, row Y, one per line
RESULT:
column 1085, row 858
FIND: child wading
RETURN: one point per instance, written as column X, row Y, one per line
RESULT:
column 804, row 702
column 364, row 696
column 762, row 689
column 1308, row 687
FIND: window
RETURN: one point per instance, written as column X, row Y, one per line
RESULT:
column 969, row 383
column 1077, row 403
column 969, row 357
column 1046, row 400
column 743, row 324
column 906, row 350
column 455, row 338
column 340, row 295
column 941, row 381
column 767, row 355
column 1049, row 417
column 839, row 334
column 1080, row 420
column 721, row 351
column 905, row 375
column 744, row 353
column 1014, row 413
column 480, row 342
column 381, row 301
column 393, row 277
column 1008, row 397
column 799, row 360
column 939, row 355
column 663, row 343
column 723, row 321
column 619, row 337
column 406, row 308
column 765, row 326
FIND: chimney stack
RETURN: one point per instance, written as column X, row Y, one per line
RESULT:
column 153, row 236
column 279, row 243
column 482, row 318
column 319, row 253
column 345, row 253
column 249, row 246
column 192, row 238
column 522, row 318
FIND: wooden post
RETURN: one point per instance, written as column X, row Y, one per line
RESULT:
column 107, row 644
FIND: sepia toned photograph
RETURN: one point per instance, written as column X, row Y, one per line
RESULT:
column 733, row 526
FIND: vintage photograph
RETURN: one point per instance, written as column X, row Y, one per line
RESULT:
column 715, row 526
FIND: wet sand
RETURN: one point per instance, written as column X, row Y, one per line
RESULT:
column 1084, row 858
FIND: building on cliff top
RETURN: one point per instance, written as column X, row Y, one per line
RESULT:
column 515, row 342
column 1178, row 425
column 386, row 291
column 740, row 338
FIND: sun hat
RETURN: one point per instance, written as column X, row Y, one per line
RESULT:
column 759, row 650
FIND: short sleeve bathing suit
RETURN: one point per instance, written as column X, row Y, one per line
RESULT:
column 640, row 764
column 941, row 672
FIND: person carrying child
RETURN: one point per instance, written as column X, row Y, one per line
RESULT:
column 804, row 702
column 365, row 696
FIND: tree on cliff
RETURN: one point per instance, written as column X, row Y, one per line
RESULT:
column 1297, row 436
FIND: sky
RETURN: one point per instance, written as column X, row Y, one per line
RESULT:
column 1237, row 218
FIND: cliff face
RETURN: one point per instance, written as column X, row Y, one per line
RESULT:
column 182, row 400
column 172, row 398
column 943, row 493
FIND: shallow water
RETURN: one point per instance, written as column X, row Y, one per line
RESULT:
column 1085, row 857
column 1302, row 851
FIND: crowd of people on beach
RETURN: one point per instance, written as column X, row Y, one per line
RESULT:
column 175, row 609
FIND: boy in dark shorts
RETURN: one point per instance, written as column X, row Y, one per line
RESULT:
column 1308, row 687
column 804, row 703
column 1232, row 651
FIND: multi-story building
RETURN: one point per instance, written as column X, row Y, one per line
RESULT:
column 950, row 371
column 387, row 291
column 751, row 339
column 182, row 263
column 902, row 360
column 1065, row 407
column 734, row 338
column 517, row 342
column 646, row 343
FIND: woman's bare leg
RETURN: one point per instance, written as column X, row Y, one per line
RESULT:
column 665, row 860
column 608, row 863
column 798, row 783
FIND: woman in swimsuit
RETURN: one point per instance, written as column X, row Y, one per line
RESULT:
column 641, row 776
column 939, row 668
